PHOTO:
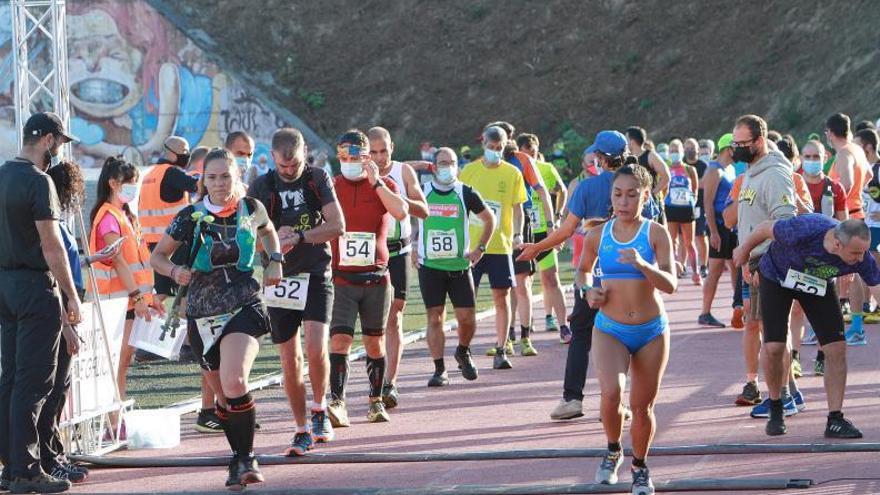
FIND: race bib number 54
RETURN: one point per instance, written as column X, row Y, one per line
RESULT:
column 357, row 249
column 802, row 282
column 290, row 293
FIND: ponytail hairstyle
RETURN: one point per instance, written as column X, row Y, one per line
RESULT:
column 238, row 188
column 643, row 179
column 115, row 167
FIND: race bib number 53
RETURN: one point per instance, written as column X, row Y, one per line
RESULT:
column 290, row 293
column 802, row 282
column 357, row 249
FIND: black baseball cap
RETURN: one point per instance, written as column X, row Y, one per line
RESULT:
column 45, row 123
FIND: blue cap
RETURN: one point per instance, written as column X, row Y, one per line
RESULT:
column 611, row 143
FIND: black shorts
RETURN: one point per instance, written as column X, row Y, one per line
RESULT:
column 823, row 312
column 319, row 305
column 540, row 236
column 499, row 268
column 164, row 285
column 437, row 284
column 251, row 320
column 728, row 244
column 524, row 267
column 680, row 214
column 398, row 268
column 700, row 226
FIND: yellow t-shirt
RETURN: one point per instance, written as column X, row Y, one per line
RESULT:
column 502, row 189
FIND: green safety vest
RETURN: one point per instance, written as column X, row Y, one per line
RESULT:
column 443, row 235
column 551, row 178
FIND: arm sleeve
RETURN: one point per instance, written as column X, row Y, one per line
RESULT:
column 178, row 181
column 326, row 192
column 778, row 195
column 868, row 271
column 518, row 194
column 473, row 201
column 44, row 200
column 182, row 227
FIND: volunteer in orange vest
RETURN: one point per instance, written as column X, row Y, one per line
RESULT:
column 128, row 274
column 165, row 190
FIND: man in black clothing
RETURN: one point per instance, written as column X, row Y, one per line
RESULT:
column 701, row 230
column 33, row 266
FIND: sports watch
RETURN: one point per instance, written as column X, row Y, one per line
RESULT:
column 482, row 248
column 277, row 257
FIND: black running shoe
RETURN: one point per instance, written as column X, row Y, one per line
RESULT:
column 234, row 478
column 776, row 423
column 390, row 395
column 438, row 380
column 501, row 362
column 466, row 365
column 208, row 422
column 41, row 483
column 67, row 472
column 841, row 428
column 243, row 471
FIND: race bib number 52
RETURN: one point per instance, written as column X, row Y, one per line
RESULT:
column 802, row 282
column 290, row 293
column 357, row 249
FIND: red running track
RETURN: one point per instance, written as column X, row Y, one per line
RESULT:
column 506, row 410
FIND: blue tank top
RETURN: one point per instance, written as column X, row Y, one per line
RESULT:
column 680, row 193
column 608, row 255
column 725, row 184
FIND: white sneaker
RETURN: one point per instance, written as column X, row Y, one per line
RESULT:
column 568, row 409
column 607, row 472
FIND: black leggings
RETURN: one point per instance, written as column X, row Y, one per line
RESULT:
column 823, row 312
column 581, row 319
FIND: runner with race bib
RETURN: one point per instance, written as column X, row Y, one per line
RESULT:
column 805, row 256
column 360, row 272
column 225, row 314
column 681, row 208
column 444, row 260
column 301, row 202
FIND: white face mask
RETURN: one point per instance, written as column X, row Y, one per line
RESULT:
column 352, row 170
column 127, row 193
column 445, row 176
column 705, row 158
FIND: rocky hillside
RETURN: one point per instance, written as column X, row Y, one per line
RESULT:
column 438, row 71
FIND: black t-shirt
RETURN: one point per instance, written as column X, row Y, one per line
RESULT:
column 27, row 195
column 298, row 204
column 701, row 167
column 175, row 183
column 224, row 289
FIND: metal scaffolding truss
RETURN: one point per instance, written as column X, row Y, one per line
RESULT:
column 40, row 58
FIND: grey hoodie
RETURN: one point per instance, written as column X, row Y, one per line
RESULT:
column 767, row 193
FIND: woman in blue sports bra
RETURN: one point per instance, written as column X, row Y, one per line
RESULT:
column 634, row 256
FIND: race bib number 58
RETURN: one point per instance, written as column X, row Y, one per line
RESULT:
column 802, row 282
column 357, row 249
column 442, row 244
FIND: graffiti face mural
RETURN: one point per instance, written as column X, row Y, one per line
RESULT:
column 134, row 80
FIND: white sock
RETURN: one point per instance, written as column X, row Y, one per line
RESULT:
column 301, row 429
column 320, row 406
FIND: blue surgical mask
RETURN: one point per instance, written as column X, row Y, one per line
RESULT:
column 740, row 167
column 675, row 157
column 705, row 158
column 244, row 162
column 491, row 156
column 812, row 167
column 445, row 176
column 352, row 170
column 663, row 155
column 127, row 193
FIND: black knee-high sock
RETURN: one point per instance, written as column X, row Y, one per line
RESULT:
column 524, row 331
column 338, row 375
column 376, row 375
column 241, row 423
column 223, row 416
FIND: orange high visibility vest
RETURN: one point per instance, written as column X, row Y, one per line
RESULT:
column 154, row 214
column 134, row 253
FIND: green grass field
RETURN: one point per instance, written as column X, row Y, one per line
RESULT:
column 164, row 383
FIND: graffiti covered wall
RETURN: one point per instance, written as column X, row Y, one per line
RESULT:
column 135, row 79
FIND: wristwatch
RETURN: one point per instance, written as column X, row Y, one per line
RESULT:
column 379, row 183
column 302, row 236
column 550, row 224
column 482, row 248
column 277, row 257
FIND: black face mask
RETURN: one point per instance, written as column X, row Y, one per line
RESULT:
column 690, row 156
column 743, row 154
column 182, row 161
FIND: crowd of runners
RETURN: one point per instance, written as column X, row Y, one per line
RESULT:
column 298, row 254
